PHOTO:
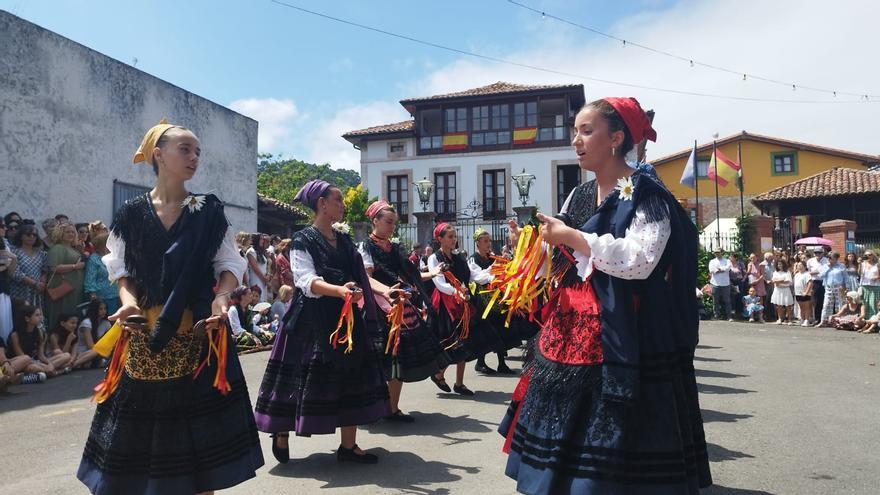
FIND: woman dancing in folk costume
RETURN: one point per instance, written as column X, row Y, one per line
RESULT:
column 165, row 424
column 324, row 372
column 412, row 348
column 519, row 328
column 609, row 403
column 461, row 334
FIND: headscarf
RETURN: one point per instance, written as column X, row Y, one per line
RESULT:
column 144, row 152
column 634, row 117
column 479, row 233
column 310, row 193
column 376, row 207
column 438, row 230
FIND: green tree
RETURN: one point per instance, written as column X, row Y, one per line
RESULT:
column 281, row 178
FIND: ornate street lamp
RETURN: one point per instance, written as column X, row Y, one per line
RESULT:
column 424, row 188
column 523, row 182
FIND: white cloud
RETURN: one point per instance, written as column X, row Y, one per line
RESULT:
column 276, row 117
column 827, row 45
column 324, row 143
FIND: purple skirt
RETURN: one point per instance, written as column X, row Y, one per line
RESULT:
column 304, row 392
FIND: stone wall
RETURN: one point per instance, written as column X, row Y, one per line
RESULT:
column 71, row 119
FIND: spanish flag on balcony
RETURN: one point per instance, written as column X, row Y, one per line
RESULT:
column 525, row 135
column 455, row 141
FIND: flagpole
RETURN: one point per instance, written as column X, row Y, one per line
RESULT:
column 697, row 188
column 742, row 205
column 717, row 201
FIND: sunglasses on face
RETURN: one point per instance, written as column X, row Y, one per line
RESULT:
column 12, row 226
column 29, row 234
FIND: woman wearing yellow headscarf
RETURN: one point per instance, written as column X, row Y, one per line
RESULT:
column 173, row 414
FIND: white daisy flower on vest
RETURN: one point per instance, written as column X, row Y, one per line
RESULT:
column 342, row 227
column 626, row 188
column 194, row 202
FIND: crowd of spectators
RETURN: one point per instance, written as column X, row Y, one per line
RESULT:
column 54, row 296
column 812, row 287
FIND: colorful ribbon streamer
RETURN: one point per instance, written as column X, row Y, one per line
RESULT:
column 517, row 286
column 218, row 345
column 108, row 385
column 346, row 315
column 395, row 323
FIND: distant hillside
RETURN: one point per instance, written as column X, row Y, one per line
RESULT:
column 281, row 178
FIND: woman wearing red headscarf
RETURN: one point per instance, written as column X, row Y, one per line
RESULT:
column 457, row 313
column 412, row 349
column 609, row 403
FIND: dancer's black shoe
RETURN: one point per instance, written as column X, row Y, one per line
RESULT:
column 462, row 390
column 441, row 383
column 281, row 455
column 400, row 417
column 349, row 455
column 504, row 369
column 482, row 367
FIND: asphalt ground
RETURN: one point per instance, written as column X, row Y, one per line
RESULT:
column 788, row 410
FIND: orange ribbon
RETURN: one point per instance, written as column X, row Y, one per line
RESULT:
column 218, row 345
column 346, row 315
column 108, row 385
column 395, row 322
column 515, row 286
column 460, row 290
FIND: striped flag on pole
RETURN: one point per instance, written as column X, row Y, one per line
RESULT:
column 722, row 170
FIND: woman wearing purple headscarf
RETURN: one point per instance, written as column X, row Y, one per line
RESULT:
column 324, row 372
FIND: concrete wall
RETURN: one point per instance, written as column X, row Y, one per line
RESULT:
column 72, row 118
column 542, row 163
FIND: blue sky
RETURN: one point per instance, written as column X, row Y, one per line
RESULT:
column 307, row 79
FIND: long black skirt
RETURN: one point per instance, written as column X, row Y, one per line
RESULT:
column 175, row 436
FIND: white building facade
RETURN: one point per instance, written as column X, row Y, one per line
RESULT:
column 469, row 145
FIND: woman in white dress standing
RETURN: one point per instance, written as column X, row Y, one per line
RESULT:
column 782, row 296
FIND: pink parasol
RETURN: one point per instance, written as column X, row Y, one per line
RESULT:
column 813, row 241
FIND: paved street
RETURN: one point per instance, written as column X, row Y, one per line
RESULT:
column 788, row 411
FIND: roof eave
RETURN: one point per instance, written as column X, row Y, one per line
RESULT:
column 410, row 104
column 375, row 136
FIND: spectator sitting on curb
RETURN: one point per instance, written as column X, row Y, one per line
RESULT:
column 61, row 346
column 872, row 324
column 754, row 309
column 261, row 324
column 239, row 300
column 27, row 340
column 282, row 303
column 12, row 370
column 848, row 318
column 90, row 330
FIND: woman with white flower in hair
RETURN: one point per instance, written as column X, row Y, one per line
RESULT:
column 609, row 403
column 324, row 373
column 170, row 419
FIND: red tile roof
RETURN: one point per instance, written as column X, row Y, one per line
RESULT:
column 748, row 136
column 499, row 87
column 830, row 183
column 405, row 126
